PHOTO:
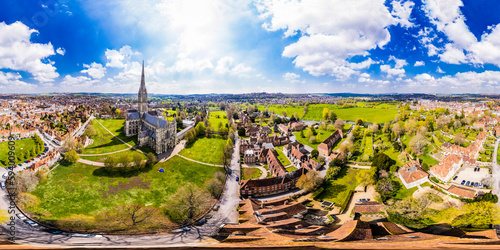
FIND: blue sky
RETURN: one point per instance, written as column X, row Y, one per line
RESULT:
column 241, row 46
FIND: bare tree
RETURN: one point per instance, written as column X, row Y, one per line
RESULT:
column 187, row 202
column 339, row 124
column 459, row 139
column 418, row 144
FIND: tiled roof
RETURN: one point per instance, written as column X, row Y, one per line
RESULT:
column 463, row 192
column 442, row 169
column 368, row 207
column 412, row 172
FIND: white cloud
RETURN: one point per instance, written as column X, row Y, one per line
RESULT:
column 439, row 70
column 77, row 84
column 402, row 10
column 94, row 70
column 17, row 52
column 290, row 76
column 226, row 65
column 419, row 63
column 332, row 31
column 397, row 69
column 61, row 51
column 115, row 58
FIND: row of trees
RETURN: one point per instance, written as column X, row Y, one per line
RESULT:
column 126, row 165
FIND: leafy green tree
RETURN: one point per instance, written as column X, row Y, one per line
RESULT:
column 71, row 156
column 382, row 161
column 314, row 153
column 200, row 129
column 151, row 159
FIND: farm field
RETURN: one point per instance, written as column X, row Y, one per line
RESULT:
column 207, row 150
column 74, row 189
column 315, row 113
column 217, row 117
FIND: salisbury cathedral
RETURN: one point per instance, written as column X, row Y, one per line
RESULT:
column 151, row 130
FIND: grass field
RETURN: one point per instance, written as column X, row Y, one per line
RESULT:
column 104, row 142
column 61, row 197
column 338, row 190
column 116, row 126
column 320, row 137
column 217, row 117
column 250, row 173
column 207, row 150
column 289, row 109
column 403, row 192
column 315, row 113
column 101, row 158
column 282, row 158
column 291, row 169
column 20, row 146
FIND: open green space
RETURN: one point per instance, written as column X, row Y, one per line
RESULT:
column 289, row 109
column 104, row 142
column 291, row 169
column 282, row 158
column 117, row 127
column 207, row 150
column 320, row 137
column 315, row 113
column 217, row 117
column 62, row 195
column 250, row 173
column 20, row 146
column 338, row 190
column 100, row 158
column 402, row 191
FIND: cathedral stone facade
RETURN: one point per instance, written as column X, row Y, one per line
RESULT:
column 150, row 129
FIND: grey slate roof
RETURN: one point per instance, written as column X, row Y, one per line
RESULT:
column 133, row 115
column 153, row 120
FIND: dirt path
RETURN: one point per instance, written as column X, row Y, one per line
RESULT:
column 110, row 153
column 93, row 163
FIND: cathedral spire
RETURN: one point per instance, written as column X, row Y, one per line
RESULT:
column 143, row 94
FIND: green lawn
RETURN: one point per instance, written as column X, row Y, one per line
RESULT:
column 208, row 150
column 338, row 190
column 278, row 109
column 291, row 169
column 131, row 153
column 282, row 158
column 20, row 146
column 104, row 142
column 403, row 192
column 315, row 113
column 251, row 173
column 368, row 147
column 320, row 137
column 61, row 197
column 217, row 117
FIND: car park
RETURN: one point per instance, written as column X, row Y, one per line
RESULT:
column 31, row 223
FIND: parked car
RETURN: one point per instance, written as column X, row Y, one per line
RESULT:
column 201, row 222
column 467, row 183
column 475, row 185
column 180, row 230
column 363, row 200
column 53, row 231
column 237, row 178
column 454, row 178
column 480, row 184
column 31, row 223
column 21, row 216
column 216, row 207
column 2, row 184
column 82, row 235
column 208, row 216
column 5, row 175
column 463, row 182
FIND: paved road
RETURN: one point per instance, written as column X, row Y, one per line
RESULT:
column 37, row 236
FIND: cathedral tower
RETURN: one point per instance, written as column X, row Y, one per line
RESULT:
column 142, row 101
